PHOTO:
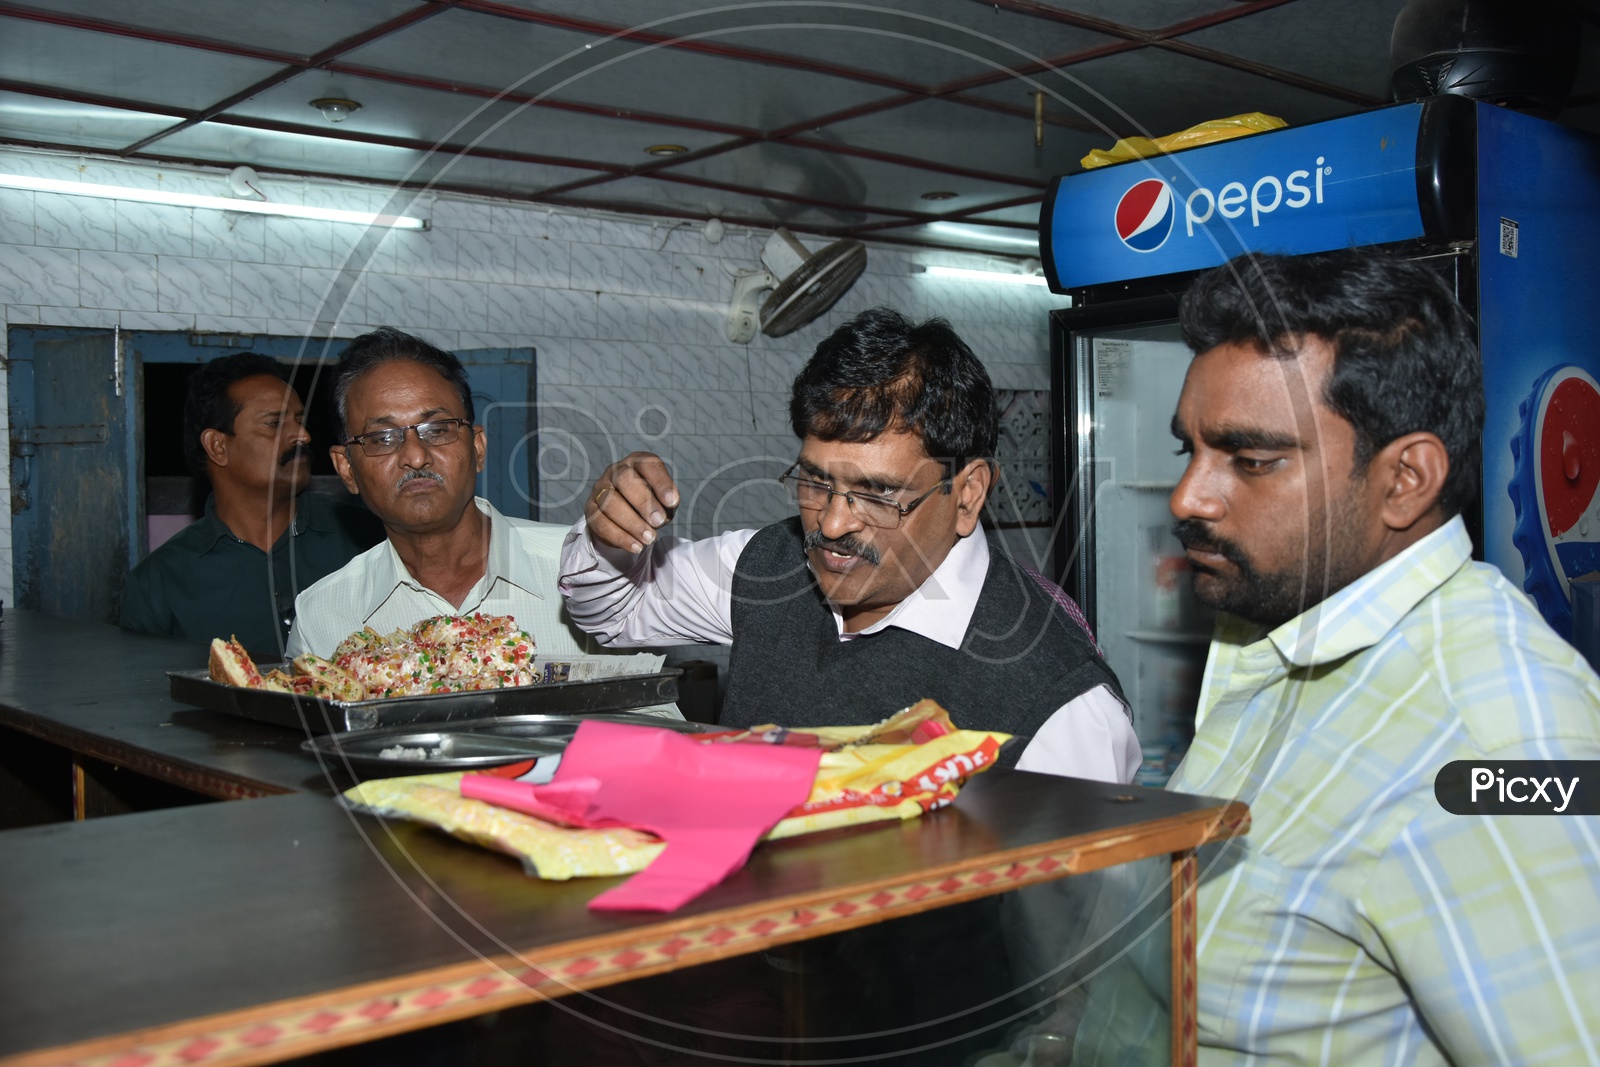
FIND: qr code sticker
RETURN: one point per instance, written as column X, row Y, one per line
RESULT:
column 1508, row 238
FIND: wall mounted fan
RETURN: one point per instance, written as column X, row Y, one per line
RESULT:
column 803, row 285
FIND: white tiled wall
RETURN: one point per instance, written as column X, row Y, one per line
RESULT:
column 627, row 315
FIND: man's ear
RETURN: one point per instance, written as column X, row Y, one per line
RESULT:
column 480, row 441
column 341, row 467
column 214, row 443
column 1412, row 470
column 972, row 489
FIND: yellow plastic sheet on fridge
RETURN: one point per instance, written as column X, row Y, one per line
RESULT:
column 1205, row 133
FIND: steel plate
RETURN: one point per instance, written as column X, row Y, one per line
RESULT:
column 470, row 745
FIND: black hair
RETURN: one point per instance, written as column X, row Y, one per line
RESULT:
column 1404, row 355
column 209, row 406
column 882, row 372
column 384, row 345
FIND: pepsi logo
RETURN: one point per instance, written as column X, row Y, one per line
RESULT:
column 1145, row 215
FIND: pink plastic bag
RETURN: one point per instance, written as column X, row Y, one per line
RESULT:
column 710, row 803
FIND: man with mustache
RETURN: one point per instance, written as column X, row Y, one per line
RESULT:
column 884, row 588
column 262, row 538
column 412, row 452
column 1332, row 417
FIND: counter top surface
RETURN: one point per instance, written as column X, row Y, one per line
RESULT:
column 102, row 692
column 289, row 906
column 247, row 932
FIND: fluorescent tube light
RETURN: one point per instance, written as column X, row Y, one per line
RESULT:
column 970, row 275
column 218, row 203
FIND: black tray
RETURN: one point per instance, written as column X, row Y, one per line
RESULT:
column 316, row 715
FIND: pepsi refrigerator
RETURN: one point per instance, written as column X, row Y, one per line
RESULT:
column 1505, row 206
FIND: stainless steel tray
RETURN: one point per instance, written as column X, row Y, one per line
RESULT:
column 318, row 716
column 470, row 745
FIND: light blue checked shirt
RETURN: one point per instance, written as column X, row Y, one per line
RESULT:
column 1360, row 923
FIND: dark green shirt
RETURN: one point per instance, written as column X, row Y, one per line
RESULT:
column 206, row 583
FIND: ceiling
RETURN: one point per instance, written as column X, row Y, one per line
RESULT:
column 834, row 118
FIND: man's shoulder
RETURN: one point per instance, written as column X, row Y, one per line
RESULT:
column 774, row 542
column 339, row 519
column 179, row 550
column 540, row 538
column 1505, row 671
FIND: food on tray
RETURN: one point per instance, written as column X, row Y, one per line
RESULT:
column 444, row 654
column 230, row 663
column 411, row 752
column 328, row 679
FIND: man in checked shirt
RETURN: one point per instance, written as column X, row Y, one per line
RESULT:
column 1332, row 418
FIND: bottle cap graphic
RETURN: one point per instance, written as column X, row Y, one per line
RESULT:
column 1555, row 488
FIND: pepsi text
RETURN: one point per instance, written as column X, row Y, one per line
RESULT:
column 1231, row 200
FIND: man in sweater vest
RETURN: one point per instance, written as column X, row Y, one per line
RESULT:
column 884, row 588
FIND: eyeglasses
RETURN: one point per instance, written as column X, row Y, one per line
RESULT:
column 883, row 512
column 434, row 433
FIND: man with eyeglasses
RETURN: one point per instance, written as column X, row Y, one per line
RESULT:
column 412, row 452
column 883, row 589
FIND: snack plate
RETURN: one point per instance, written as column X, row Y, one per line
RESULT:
column 470, row 745
column 316, row 715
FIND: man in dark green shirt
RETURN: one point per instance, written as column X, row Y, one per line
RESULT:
column 262, row 539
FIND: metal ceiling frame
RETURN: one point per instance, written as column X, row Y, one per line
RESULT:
column 880, row 222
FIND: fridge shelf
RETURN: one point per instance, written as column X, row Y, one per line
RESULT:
column 1171, row 637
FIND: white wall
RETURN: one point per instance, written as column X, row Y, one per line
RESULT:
column 626, row 313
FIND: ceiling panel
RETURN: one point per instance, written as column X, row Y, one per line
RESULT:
column 844, row 180
column 654, row 196
column 1156, row 92
column 36, row 118
column 954, row 134
column 924, row 42
column 268, row 149
column 540, row 60
column 100, row 64
column 1341, row 42
column 1145, row 14
column 462, row 119
column 302, row 27
column 1021, row 213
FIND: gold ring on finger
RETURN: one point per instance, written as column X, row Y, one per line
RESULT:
column 600, row 499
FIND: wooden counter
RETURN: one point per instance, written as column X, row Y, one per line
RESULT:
column 285, row 925
column 101, row 694
column 255, row 932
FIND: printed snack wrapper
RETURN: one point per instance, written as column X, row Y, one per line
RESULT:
column 913, row 762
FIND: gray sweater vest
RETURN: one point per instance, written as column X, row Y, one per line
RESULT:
column 1022, row 657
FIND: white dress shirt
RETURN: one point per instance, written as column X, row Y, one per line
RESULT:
column 376, row 590
column 678, row 591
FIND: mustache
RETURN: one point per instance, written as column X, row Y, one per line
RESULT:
column 846, row 545
column 413, row 475
column 1192, row 534
column 293, row 453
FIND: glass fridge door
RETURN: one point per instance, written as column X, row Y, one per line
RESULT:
column 1132, row 572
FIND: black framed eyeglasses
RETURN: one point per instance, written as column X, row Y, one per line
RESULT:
column 873, row 509
column 433, row 433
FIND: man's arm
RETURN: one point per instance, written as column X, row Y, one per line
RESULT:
column 1088, row 737
column 671, row 592
column 1492, row 923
